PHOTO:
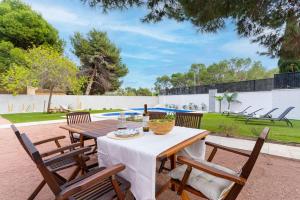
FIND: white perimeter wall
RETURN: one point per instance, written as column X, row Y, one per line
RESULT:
column 265, row 99
column 35, row 103
column 288, row 97
column 255, row 99
column 181, row 100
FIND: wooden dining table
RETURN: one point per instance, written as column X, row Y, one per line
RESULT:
column 97, row 129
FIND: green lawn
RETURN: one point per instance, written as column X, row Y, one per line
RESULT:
column 213, row 122
column 39, row 116
column 232, row 126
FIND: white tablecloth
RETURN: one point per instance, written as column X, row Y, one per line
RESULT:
column 139, row 156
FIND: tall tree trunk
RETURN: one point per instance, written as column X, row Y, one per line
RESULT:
column 50, row 98
column 89, row 86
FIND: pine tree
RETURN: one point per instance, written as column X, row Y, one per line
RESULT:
column 100, row 61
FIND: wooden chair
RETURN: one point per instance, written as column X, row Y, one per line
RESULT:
column 58, row 162
column 156, row 115
column 189, row 120
column 78, row 118
column 96, row 184
column 212, row 181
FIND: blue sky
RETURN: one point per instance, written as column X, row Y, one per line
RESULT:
column 148, row 50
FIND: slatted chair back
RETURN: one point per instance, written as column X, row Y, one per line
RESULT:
column 18, row 135
column 37, row 159
column 284, row 114
column 78, row 117
column 248, row 166
column 156, row 115
column 189, row 120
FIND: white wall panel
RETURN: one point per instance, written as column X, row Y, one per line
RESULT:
column 35, row 103
column 263, row 99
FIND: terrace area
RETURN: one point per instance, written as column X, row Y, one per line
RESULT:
column 272, row 178
column 149, row 100
column 276, row 166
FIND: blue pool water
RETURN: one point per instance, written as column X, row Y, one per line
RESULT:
column 117, row 113
column 140, row 110
column 162, row 109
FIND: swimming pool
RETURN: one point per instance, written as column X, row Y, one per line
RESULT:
column 118, row 113
column 139, row 111
column 168, row 110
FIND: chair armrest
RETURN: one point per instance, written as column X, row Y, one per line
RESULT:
column 49, row 140
column 211, row 170
column 70, row 154
column 228, row 149
column 61, row 149
column 90, row 181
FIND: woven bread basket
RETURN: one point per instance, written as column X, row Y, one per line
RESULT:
column 161, row 127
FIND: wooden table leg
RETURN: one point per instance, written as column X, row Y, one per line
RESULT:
column 173, row 166
column 173, row 161
column 81, row 140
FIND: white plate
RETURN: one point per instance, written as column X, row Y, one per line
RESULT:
column 113, row 136
column 125, row 134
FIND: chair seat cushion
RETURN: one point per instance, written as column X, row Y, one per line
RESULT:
column 76, row 136
column 211, row 186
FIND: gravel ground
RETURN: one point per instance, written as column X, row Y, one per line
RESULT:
column 272, row 178
column 4, row 121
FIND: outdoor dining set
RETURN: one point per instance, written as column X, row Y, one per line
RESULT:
column 128, row 167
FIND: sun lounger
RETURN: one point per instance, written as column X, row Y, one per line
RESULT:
column 246, row 115
column 281, row 117
column 67, row 110
column 236, row 113
column 266, row 115
column 253, row 113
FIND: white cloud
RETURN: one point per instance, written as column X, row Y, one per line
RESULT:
column 161, row 32
column 241, row 47
column 244, row 48
column 58, row 14
column 141, row 30
column 140, row 56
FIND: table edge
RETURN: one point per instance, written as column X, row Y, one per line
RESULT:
column 173, row 150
